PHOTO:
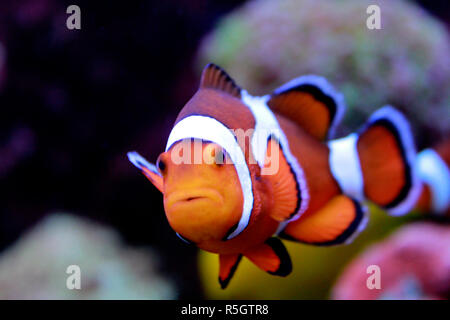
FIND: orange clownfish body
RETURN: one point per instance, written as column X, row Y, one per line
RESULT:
column 239, row 172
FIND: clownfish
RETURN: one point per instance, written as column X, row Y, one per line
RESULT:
column 433, row 166
column 285, row 178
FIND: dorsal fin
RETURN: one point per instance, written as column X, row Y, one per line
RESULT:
column 215, row 77
column 311, row 102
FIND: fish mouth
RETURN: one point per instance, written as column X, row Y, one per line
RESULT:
column 189, row 197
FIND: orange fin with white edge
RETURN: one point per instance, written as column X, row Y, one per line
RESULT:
column 434, row 172
column 148, row 169
column 214, row 77
column 339, row 221
column 312, row 103
column 228, row 264
column 271, row 257
column 387, row 156
column 285, row 190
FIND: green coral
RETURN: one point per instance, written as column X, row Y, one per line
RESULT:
column 265, row 43
column 35, row 266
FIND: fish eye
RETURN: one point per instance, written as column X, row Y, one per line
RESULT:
column 219, row 156
column 214, row 154
column 161, row 165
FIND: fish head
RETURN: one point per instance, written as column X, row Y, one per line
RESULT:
column 203, row 198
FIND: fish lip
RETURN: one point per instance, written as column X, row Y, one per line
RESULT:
column 191, row 196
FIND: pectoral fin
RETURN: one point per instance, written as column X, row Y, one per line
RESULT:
column 148, row 169
column 285, row 190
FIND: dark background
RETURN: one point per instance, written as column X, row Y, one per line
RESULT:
column 73, row 102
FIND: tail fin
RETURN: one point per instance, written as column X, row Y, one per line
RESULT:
column 434, row 171
column 387, row 154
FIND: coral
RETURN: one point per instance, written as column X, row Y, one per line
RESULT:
column 414, row 263
column 35, row 267
column 266, row 43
